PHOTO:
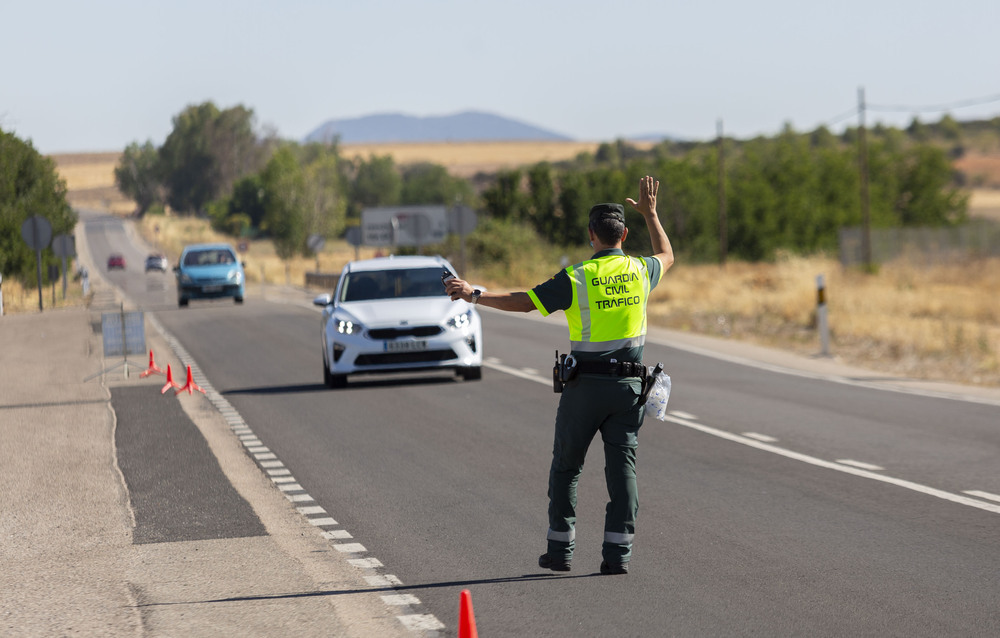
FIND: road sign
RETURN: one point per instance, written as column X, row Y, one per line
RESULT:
column 462, row 220
column 64, row 246
column 315, row 243
column 403, row 225
column 36, row 232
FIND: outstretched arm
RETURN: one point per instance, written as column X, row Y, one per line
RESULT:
column 510, row 301
column 647, row 208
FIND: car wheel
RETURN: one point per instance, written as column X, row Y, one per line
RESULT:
column 333, row 380
column 182, row 302
column 472, row 373
column 238, row 299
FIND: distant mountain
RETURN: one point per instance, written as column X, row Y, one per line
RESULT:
column 396, row 127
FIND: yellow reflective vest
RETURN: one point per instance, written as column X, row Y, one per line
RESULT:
column 609, row 303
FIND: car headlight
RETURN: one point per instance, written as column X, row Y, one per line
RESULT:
column 461, row 321
column 185, row 278
column 235, row 276
column 346, row 327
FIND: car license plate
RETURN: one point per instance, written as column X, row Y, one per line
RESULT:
column 405, row 346
column 211, row 288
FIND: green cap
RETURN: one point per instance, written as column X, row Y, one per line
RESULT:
column 608, row 211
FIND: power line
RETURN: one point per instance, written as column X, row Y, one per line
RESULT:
column 934, row 108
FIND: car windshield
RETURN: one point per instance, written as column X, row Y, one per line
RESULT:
column 392, row 284
column 208, row 257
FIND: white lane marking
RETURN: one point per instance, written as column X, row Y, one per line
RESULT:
column 349, row 548
column 401, row 599
column 753, row 435
column 257, row 449
column 283, row 479
column 267, row 464
column 675, row 417
column 280, row 472
column 421, row 622
column 682, row 415
column 290, row 487
column 383, row 580
column 365, row 563
column 916, row 487
column 531, row 371
column 311, row 509
column 515, row 372
column 299, row 498
column 337, row 535
column 986, row 495
column 268, row 456
column 319, row 522
column 863, row 466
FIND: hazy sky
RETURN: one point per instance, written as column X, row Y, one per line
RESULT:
column 96, row 75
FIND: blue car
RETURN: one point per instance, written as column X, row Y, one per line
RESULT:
column 209, row 271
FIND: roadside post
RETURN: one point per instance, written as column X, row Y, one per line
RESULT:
column 821, row 317
column 64, row 246
column 37, row 233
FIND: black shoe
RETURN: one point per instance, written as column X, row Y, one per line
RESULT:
column 555, row 564
column 609, row 569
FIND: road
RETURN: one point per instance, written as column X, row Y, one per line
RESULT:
column 771, row 503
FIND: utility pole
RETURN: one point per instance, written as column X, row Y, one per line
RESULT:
column 723, row 239
column 866, row 236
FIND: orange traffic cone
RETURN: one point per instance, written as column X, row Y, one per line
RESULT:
column 152, row 369
column 170, row 381
column 466, row 619
column 190, row 385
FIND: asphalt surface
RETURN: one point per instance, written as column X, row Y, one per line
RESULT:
column 444, row 482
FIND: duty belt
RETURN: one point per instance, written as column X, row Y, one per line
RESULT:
column 613, row 368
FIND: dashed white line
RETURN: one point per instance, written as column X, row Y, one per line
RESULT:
column 267, row 456
column 267, row 464
column 283, row 479
column 279, row 472
column 681, row 415
column 401, row 599
column 760, row 437
column 319, row 522
column 311, row 509
column 290, row 487
column 365, row 563
column 337, row 535
column 421, row 622
column 350, row 548
column 299, row 498
column 805, row 458
column 383, row 580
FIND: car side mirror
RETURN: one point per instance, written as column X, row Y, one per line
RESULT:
column 177, row 268
column 323, row 300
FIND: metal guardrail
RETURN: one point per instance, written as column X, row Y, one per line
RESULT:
column 326, row 281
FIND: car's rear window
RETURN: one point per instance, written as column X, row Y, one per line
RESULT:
column 209, row 257
column 392, row 284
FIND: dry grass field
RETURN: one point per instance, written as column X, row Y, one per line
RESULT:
column 936, row 322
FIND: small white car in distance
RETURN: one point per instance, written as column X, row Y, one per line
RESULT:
column 391, row 314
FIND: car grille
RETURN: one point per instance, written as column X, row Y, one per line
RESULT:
column 395, row 358
column 404, row 331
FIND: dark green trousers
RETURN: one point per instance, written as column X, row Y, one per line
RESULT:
column 590, row 404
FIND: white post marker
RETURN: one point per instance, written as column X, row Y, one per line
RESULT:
column 821, row 318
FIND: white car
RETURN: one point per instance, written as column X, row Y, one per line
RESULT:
column 391, row 314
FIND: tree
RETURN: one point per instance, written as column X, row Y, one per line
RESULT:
column 325, row 195
column 283, row 184
column 376, row 183
column 138, row 176
column 206, row 152
column 29, row 185
column 427, row 183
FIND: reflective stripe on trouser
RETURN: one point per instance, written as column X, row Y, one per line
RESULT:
column 589, row 405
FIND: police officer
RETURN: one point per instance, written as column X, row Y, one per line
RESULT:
column 604, row 299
